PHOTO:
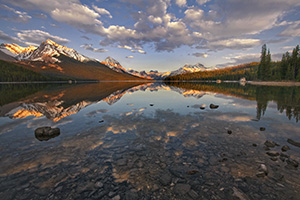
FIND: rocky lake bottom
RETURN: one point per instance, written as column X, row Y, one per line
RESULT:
column 153, row 144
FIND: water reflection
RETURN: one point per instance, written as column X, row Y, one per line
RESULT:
column 287, row 98
column 60, row 102
column 115, row 145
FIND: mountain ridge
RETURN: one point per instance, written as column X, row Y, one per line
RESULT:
column 60, row 61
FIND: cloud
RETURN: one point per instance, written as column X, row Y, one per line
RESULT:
column 18, row 16
column 201, row 2
column 141, row 51
column 180, row 3
column 292, row 30
column 41, row 16
column 153, row 24
column 85, row 37
column 102, row 11
column 124, row 47
column 129, row 57
column 233, row 44
column 10, row 39
column 240, row 59
column 203, row 55
column 38, row 36
column 90, row 48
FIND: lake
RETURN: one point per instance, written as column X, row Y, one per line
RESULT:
column 126, row 140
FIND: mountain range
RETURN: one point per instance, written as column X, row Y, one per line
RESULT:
column 153, row 74
column 57, row 60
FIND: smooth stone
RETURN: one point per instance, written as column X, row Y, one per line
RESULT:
column 213, row 106
column 99, row 184
column 45, row 133
column 262, row 128
column 273, row 153
column 182, row 188
column 270, row 144
column 262, row 171
column 121, row 162
column 239, row 194
column 193, row 194
column 292, row 163
column 165, row 179
column 293, row 142
column 116, row 197
column 192, row 172
column 285, row 148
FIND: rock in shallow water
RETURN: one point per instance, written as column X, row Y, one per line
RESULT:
column 270, row 144
column 262, row 171
column 46, row 133
column 293, row 142
column 285, row 148
column 213, row 106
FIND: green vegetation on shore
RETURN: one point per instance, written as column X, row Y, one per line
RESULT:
column 288, row 69
column 13, row 73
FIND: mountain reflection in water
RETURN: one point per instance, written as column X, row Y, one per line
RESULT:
column 58, row 102
column 149, row 141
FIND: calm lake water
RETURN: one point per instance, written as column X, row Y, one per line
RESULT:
column 150, row 141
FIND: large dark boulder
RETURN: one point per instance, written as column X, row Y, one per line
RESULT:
column 46, row 133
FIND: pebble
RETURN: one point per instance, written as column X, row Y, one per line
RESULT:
column 99, row 184
column 165, row 179
column 182, row 188
column 116, row 197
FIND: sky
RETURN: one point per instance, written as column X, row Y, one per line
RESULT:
column 158, row 35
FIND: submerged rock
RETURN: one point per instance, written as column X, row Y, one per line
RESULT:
column 285, row 148
column 262, row 171
column 270, row 144
column 293, row 142
column 292, row 163
column 46, row 133
column 273, row 153
column 262, row 128
column 213, row 106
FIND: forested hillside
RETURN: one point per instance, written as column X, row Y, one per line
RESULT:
column 288, row 69
column 10, row 72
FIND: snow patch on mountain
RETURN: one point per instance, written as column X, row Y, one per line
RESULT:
column 46, row 52
column 114, row 65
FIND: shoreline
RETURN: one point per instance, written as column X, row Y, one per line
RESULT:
column 273, row 83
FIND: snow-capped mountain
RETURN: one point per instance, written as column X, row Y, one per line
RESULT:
column 14, row 50
column 153, row 74
column 161, row 75
column 114, row 65
column 188, row 69
column 46, row 52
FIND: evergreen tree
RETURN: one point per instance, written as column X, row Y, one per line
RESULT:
column 268, row 66
column 294, row 62
column 261, row 73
